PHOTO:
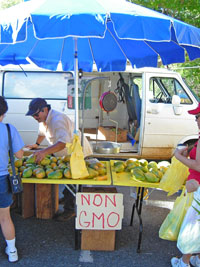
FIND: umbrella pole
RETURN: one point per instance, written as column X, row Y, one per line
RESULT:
column 76, row 85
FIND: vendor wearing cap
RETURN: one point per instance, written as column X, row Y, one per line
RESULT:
column 58, row 129
column 55, row 126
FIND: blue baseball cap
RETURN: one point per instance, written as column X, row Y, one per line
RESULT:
column 36, row 105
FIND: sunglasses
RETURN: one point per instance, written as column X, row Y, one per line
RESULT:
column 37, row 114
column 197, row 116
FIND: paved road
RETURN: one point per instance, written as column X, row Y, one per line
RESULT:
column 50, row 243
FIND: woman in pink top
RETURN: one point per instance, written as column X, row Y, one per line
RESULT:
column 192, row 184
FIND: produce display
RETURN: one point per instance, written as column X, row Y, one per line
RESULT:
column 56, row 168
column 52, row 167
column 141, row 169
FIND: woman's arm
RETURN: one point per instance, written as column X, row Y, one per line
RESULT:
column 190, row 163
column 19, row 154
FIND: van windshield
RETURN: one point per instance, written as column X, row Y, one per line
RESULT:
column 192, row 91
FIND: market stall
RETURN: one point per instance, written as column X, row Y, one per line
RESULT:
column 46, row 189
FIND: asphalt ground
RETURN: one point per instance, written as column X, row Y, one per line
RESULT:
column 51, row 243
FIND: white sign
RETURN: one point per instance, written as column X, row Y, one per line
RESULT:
column 99, row 211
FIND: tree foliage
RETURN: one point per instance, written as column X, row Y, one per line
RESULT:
column 8, row 3
column 189, row 12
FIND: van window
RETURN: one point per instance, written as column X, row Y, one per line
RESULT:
column 48, row 85
column 162, row 90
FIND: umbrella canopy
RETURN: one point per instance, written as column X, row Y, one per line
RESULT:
column 109, row 33
column 79, row 33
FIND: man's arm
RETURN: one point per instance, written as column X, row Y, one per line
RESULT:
column 39, row 140
column 49, row 150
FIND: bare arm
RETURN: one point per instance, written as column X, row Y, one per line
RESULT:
column 39, row 140
column 190, row 163
column 49, row 150
column 19, row 154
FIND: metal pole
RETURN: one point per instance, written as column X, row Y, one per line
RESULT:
column 76, row 86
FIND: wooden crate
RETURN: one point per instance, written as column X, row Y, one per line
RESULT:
column 110, row 134
column 40, row 200
column 103, row 240
column 47, row 200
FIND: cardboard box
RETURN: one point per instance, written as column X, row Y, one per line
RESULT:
column 110, row 134
column 103, row 240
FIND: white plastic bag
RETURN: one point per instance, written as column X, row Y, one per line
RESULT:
column 189, row 236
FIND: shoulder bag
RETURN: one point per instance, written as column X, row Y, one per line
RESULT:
column 14, row 179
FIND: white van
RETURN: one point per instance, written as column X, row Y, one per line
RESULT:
column 152, row 105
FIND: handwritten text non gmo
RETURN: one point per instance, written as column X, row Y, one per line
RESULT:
column 99, row 211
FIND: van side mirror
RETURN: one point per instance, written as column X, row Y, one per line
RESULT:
column 176, row 100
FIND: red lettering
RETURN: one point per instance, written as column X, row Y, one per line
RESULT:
column 87, row 199
column 95, row 200
column 117, row 219
column 80, row 219
column 112, row 201
column 98, row 218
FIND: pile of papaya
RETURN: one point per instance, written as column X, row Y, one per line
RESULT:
column 142, row 170
column 52, row 167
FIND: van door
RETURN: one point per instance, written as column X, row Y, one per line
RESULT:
column 163, row 125
column 20, row 87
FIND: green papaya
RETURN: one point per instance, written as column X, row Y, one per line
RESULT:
column 40, row 173
column 36, row 169
column 18, row 163
column 116, row 163
column 62, row 165
column 45, row 161
column 143, row 162
column 130, row 166
column 119, row 167
column 53, row 159
column 152, row 164
column 48, row 171
column 150, row 177
column 22, row 168
column 30, row 159
column 93, row 166
column 132, row 160
column 138, row 174
column 30, row 165
column 158, row 173
column 67, row 173
column 92, row 173
column 142, row 168
column 102, row 171
column 57, row 174
column 27, row 173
